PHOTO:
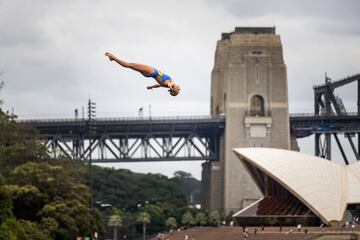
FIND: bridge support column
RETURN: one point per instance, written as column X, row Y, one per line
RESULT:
column 211, row 186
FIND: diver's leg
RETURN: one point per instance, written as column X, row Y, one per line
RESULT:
column 141, row 68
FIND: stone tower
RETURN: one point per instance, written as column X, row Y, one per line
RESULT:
column 248, row 88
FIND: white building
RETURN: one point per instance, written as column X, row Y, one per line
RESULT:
column 299, row 188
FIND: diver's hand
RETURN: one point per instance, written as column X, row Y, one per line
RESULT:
column 110, row 56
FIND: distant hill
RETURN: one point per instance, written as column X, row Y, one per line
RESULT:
column 189, row 185
column 127, row 190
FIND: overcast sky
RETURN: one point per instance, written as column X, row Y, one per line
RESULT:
column 52, row 53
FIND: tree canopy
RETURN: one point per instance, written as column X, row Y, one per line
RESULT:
column 41, row 197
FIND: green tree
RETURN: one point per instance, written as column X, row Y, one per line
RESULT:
column 40, row 190
column 187, row 219
column 47, row 194
column 18, row 145
column 21, row 230
column 27, row 201
column 115, row 221
column 5, row 205
column 157, row 218
column 171, row 223
column 33, row 231
column 214, row 218
column 182, row 175
column 144, row 218
column 200, row 219
column 11, row 229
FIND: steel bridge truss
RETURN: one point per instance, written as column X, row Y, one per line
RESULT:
column 133, row 139
column 323, row 145
column 328, row 104
column 147, row 148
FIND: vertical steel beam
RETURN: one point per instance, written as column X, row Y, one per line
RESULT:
column 328, row 146
column 102, row 147
column 341, row 149
column 317, row 144
column 353, row 146
column 335, row 104
column 328, row 101
column 316, row 103
column 328, row 96
column 316, row 112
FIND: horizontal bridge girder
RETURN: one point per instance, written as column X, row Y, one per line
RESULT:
column 191, row 147
column 326, row 124
column 134, row 140
column 173, row 159
column 138, row 127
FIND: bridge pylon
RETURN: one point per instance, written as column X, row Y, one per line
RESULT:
column 249, row 86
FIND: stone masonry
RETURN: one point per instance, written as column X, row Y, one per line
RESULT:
column 249, row 88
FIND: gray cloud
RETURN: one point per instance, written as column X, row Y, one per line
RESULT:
column 21, row 24
column 331, row 16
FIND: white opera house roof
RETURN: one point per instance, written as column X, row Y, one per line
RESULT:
column 325, row 187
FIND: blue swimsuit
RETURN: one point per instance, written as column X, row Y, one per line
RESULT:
column 156, row 73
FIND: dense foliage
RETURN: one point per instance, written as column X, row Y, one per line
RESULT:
column 40, row 197
column 129, row 191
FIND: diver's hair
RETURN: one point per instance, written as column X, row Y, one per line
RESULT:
column 173, row 93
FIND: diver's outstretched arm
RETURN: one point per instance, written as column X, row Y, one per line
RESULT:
column 154, row 86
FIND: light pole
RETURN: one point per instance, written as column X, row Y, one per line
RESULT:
column 91, row 132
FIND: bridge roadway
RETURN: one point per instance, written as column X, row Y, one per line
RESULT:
column 132, row 127
column 141, row 139
column 349, row 123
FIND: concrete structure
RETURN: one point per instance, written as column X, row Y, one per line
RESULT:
column 249, row 87
column 326, row 188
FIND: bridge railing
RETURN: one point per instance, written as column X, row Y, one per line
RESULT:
column 138, row 118
column 301, row 114
column 154, row 118
column 320, row 115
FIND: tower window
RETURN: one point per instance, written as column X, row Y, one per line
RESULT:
column 257, row 106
